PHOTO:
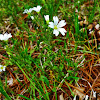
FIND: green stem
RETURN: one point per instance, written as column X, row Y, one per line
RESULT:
column 28, row 78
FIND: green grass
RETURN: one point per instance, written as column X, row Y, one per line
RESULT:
column 33, row 52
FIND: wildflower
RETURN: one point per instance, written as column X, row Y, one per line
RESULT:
column 97, row 26
column 28, row 11
column 32, row 17
column 57, row 26
column 46, row 18
column 37, row 9
column 2, row 68
column 6, row 36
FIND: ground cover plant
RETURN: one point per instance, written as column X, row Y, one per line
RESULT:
column 49, row 49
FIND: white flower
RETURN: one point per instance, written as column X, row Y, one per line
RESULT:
column 57, row 26
column 2, row 68
column 37, row 9
column 97, row 26
column 32, row 17
column 46, row 18
column 6, row 36
column 28, row 11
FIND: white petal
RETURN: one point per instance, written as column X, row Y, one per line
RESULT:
column 30, row 10
column 62, row 30
column 6, row 36
column 37, row 9
column 89, row 29
column 3, row 69
column 1, row 37
column 55, row 19
column 56, row 32
column 4, row 66
column 9, row 35
column 34, row 8
column 25, row 11
column 0, row 70
column 61, row 23
column 46, row 17
column 51, row 24
column 97, row 26
column 32, row 17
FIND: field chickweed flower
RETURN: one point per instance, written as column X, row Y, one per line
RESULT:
column 57, row 26
column 2, row 68
column 46, row 18
column 97, row 26
column 6, row 36
column 28, row 11
column 37, row 9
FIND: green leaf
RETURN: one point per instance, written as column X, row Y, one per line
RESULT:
column 4, row 92
column 70, row 71
column 45, row 80
column 24, row 97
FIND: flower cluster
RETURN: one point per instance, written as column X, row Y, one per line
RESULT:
column 28, row 11
column 56, row 25
column 2, row 68
column 37, row 9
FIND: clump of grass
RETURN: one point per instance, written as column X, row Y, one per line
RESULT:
column 49, row 64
